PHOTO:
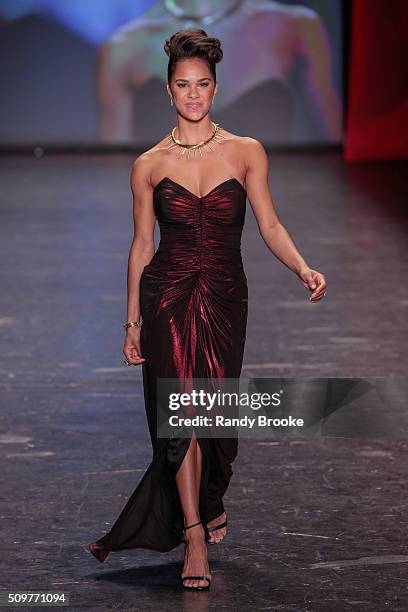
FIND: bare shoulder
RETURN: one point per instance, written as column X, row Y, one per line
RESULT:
column 247, row 151
column 252, row 152
column 140, row 172
column 144, row 166
column 149, row 163
column 252, row 146
column 246, row 143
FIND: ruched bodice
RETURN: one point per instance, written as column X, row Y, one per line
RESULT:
column 199, row 233
column 193, row 301
column 195, row 285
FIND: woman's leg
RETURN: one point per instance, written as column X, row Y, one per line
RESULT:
column 188, row 479
column 224, row 452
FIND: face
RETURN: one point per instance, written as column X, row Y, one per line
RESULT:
column 192, row 87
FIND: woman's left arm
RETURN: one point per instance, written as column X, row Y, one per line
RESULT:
column 274, row 234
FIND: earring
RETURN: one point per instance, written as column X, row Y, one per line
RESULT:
column 171, row 101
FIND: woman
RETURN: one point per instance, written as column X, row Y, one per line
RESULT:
column 192, row 297
column 293, row 80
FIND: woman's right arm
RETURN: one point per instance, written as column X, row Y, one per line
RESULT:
column 141, row 250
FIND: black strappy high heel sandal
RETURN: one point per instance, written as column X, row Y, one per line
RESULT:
column 195, row 588
column 220, row 526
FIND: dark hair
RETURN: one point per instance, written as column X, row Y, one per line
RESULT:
column 192, row 42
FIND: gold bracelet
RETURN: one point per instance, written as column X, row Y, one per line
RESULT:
column 133, row 324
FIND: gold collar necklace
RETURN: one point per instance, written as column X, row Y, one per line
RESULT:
column 208, row 143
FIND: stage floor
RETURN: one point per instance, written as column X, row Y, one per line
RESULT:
column 314, row 524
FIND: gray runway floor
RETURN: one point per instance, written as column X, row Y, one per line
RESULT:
column 314, row 524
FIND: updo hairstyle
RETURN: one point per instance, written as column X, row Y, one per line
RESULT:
column 192, row 42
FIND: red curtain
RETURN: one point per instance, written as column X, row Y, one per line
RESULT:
column 377, row 118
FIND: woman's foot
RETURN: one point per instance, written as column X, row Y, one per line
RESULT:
column 98, row 551
column 218, row 534
column 195, row 557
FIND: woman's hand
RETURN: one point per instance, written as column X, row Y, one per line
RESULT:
column 315, row 281
column 131, row 348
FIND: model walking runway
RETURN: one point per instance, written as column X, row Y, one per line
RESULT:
column 193, row 298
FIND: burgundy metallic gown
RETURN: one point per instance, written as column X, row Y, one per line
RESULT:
column 194, row 304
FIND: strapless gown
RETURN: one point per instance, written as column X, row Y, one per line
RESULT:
column 194, row 304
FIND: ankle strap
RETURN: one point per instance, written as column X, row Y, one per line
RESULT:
column 189, row 526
